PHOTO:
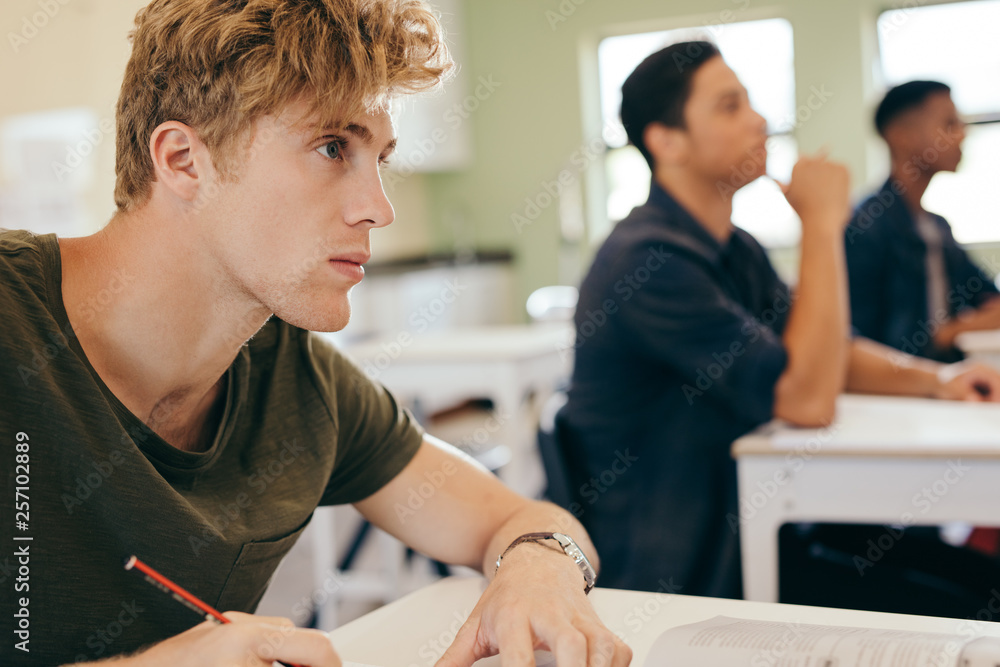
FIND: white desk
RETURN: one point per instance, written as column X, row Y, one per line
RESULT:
column 885, row 460
column 422, row 624
column 503, row 363
column 980, row 345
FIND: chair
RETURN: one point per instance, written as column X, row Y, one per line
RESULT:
column 551, row 445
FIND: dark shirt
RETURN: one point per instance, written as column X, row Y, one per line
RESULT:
column 886, row 266
column 677, row 354
column 302, row 427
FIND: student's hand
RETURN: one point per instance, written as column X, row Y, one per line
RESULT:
column 535, row 602
column 249, row 641
column 984, row 318
column 820, row 193
column 968, row 381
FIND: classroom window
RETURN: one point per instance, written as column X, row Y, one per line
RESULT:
column 762, row 55
column 956, row 44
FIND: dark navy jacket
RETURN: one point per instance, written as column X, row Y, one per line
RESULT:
column 888, row 278
column 677, row 354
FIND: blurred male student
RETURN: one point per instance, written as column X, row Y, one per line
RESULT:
column 702, row 341
column 912, row 286
column 250, row 137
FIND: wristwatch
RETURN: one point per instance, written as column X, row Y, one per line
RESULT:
column 569, row 547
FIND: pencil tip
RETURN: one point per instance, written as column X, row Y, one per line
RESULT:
column 129, row 562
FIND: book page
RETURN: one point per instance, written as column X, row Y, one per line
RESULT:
column 731, row 642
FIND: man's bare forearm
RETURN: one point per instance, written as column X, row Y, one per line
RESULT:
column 878, row 369
column 816, row 334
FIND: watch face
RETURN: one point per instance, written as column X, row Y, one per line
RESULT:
column 572, row 549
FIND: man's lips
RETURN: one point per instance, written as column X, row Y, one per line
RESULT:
column 350, row 265
column 353, row 258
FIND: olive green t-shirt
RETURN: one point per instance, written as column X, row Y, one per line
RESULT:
column 302, row 426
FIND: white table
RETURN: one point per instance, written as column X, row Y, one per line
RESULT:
column 503, row 363
column 980, row 345
column 422, row 624
column 884, row 460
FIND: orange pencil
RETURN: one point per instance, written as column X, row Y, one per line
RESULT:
column 181, row 595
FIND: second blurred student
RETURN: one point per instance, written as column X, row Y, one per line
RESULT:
column 912, row 286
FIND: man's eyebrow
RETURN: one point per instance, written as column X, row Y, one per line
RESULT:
column 363, row 133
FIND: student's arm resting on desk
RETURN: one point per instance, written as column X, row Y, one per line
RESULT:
column 248, row 641
column 536, row 599
column 877, row 369
column 816, row 335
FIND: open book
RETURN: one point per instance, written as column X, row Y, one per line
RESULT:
column 735, row 642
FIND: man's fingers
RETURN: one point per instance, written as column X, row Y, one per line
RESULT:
column 604, row 648
column 240, row 617
column 516, row 644
column 301, row 646
column 566, row 642
column 462, row 652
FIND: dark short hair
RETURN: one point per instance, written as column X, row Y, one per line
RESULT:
column 904, row 97
column 657, row 90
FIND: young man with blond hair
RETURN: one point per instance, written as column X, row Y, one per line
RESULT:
column 249, row 143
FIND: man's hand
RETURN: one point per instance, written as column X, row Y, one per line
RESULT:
column 249, row 641
column 535, row 602
column 968, row 381
column 819, row 191
column 984, row 318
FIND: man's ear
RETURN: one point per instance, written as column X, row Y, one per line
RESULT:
column 667, row 145
column 180, row 160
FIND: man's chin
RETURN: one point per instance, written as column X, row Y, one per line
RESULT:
column 323, row 320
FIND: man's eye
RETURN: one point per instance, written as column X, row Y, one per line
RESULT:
column 332, row 150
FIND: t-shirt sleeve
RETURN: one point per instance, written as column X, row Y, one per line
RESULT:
column 682, row 319
column 376, row 436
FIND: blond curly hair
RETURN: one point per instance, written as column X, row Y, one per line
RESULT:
column 219, row 65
